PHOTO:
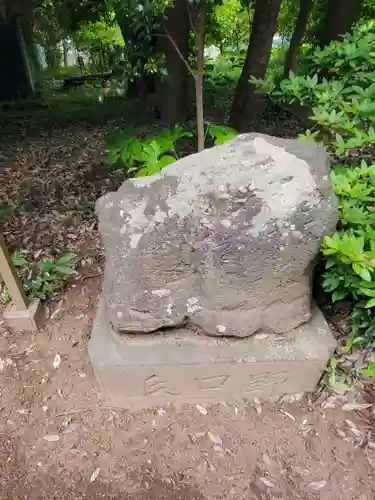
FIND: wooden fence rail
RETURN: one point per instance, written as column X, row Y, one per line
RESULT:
column 11, row 280
column 21, row 314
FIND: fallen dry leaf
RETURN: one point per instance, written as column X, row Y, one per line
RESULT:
column 350, row 424
column 364, row 442
column 192, row 438
column 353, row 428
column 257, row 405
column 201, row 409
column 57, row 361
column 340, row 388
column 57, row 315
column 355, row 432
column 287, row 414
column 266, row 459
column 49, row 198
column 371, row 458
column 215, row 439
column 267, row 482
column 51, row 437
column 341, row 433
column 94, row 475
column 316, row 485
column 331, row 402
column 355, row 406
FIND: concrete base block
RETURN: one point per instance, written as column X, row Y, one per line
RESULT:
column 29, row 320
column 143, row 371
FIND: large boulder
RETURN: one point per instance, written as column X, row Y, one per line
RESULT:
column 223, row 241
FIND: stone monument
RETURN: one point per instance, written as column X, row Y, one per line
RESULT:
column 207, row 283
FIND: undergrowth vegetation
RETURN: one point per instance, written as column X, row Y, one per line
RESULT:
column 339, row 90
column 143, row 157
column 41, row 279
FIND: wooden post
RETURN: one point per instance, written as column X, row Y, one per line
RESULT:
column 12, row 282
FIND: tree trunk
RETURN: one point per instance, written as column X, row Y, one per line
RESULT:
column 23, row 12
column 200, row 32
column 121, row 21
column 143, row 85
column 53, row 56
column 3, row 9
column 256, row 62
column 305, row 7
column 101, row 57
column 339, row 18
column 172, row 90
column 65, row 53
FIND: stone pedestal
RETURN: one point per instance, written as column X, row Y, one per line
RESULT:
column 143, row 371
column 207, row 281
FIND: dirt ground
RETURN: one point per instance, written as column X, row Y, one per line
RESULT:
column 59, row 439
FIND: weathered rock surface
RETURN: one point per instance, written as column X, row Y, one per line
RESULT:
column 223, row 240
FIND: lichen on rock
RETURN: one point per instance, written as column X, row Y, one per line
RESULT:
column 223, row 240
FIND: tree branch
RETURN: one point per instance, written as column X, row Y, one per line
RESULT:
column 191, row 20
column 180, row 55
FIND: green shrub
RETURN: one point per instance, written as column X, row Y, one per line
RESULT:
column 143, row 157
column 226, row 67
column 50, row 275
column 340, row 92
column 275, row 68
column 370, row 371
column 41, row 279
column 350, row 252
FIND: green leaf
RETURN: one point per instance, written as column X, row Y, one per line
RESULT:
column 333, row 363
column 151, row 153
column 64, row 270
column 365, row 274
column 149, row 170
column 166, row 160
column 113, row 155
column 331, row 242
column 357, row 268
column 370, row 303
column 329, row 251
column 370, row 372
column 126, row 157
column 330, row 283
column 339, row 295
column 18, row 259
column 47, row 266
column 67, row 259
column 370, row 292
column 221, row 133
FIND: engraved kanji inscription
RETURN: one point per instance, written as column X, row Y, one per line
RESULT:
column 217, row 382
column 259, row 381
column 154, row 385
